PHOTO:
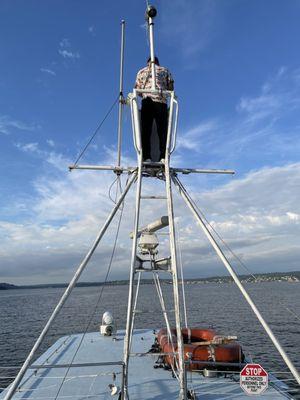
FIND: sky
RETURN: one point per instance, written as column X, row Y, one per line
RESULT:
column 236, row 65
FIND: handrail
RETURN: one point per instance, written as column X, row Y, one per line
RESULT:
column 135, row 118
column 133, row 125
column 175, row 126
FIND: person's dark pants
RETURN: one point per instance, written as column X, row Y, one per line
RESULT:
column 153, row 110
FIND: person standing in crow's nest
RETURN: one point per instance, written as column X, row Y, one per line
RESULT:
column 154, row 107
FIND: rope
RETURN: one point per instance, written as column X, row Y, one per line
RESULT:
column 96, row 130
column 97, row 303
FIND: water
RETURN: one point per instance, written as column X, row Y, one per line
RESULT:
column 23, row 313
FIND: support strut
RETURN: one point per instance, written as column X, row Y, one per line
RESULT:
column 66, row 294
column 234, row 276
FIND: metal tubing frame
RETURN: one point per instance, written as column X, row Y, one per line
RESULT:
column 120, row 115
column 165, row 315
column 137, row 290
column 127, row 339
column 152, row 55
column 186, row 198
column 135, row 119
column 173, row 99
column 66, row 294
column 181, row 365
column 182, row 280
column 184, row 171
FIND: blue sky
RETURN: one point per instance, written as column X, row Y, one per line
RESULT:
column 236, row 66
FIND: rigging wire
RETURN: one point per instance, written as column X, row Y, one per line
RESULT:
column 96, row 130
column 98, row 300
column 110, row 189
column 243, row 265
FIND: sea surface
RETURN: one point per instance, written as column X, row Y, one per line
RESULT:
column 23, row 313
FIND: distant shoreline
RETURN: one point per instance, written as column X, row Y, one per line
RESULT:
column 293, row 276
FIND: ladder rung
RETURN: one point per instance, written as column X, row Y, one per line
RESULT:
column 154, row 197
column 152, row 312
column 152, row 270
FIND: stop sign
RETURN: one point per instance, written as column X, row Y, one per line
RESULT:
column 253, row 379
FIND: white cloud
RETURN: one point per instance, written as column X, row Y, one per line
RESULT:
column 8, row 124
column 68, row 54
column 48, row 71
column 261, row 125
column 50, row 142
column 29, row 147
column 191, row 139
column 65, row 43
column 253, row 214
column 66, row 51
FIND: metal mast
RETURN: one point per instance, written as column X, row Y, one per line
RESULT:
column 121, row 96
column 150, row 15
column 165, row 170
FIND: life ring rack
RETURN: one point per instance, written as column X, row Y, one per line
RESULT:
column 202, row 348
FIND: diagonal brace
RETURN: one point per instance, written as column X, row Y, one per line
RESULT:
column 67, row 293
column 189, row 203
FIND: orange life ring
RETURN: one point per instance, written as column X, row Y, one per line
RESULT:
column 199, row 345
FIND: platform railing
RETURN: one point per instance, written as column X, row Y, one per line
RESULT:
column 136, row 120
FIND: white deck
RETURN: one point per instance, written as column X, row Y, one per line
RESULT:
column 145, row 382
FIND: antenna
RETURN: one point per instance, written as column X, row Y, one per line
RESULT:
column 121, row 97
column 151, row 13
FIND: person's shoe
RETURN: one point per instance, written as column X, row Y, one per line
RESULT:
column 162, row 160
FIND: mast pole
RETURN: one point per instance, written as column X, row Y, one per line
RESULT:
column 150, row 14
column 66, row 294
column 234, row 276
column 121, row 97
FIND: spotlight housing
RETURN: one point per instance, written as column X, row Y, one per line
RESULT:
column 151, row 12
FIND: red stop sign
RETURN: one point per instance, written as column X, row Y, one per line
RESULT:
column 253, row 379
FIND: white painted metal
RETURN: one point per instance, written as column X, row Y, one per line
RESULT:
column 148, row 243
column 160, row 223
column 130, row 305
column 121, row 97
column 229, row 268
column 154, row 91
column 137, row 291
column 135, row 117
column 67, row 292
column 184, row 171
column 103, row 168
column 174, row 135
column 181, row 365
column 202, row 171
column 152, row 55
column 182, row 279
column 165, row 315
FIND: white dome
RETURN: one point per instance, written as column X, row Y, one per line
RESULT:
column 107, row 318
